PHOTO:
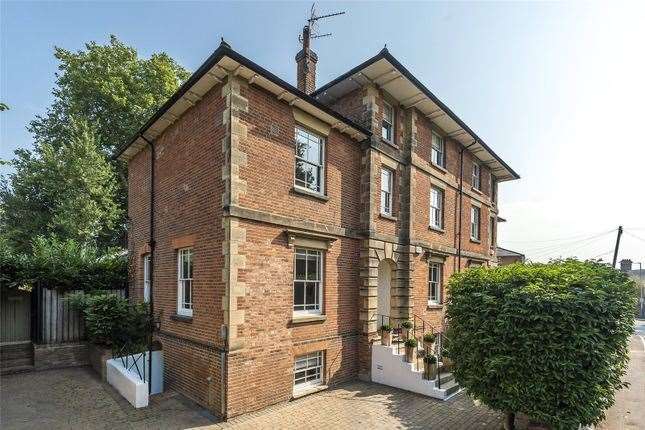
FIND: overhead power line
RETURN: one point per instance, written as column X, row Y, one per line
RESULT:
column 578, row 236
column 555, row 247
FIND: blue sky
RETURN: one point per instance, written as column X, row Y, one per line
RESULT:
column 555, row 88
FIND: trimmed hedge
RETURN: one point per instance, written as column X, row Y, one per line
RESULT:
column 547, row 340
column 63, row 265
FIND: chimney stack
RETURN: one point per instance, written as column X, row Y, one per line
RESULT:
column 626, row 265
column 306, row 60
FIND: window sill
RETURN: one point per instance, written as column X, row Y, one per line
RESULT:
column 473, row 240
column 437, row 229
column 307, row 318
column 388, row 217
column 434, row 306
column 308, row 193
column 476, row 190
column 439, row 167
column 305, row 391
column 181, row 318
column 389, row 143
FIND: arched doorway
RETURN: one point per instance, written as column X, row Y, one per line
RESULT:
column 383, row 307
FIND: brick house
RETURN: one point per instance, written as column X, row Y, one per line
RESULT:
column 273, row 224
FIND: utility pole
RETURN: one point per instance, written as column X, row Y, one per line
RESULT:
column 620, row 233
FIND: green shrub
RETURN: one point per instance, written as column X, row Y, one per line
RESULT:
column 111, row 320
column 386, row 327
column 429, row 338
column 411, row 343
column 547, row 340
column 429, row 359
column 63, row 265
column 406, row 325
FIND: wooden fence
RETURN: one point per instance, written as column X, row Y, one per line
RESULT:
column 53, row 320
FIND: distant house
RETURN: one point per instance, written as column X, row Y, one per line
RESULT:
column 506, row 256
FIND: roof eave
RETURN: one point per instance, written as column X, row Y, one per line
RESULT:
column 385, row 54
column 356, row 131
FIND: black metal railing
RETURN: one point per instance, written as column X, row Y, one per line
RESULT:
column 418, row 329
column 131, row 358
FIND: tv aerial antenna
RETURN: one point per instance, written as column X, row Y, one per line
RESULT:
column 310, row 30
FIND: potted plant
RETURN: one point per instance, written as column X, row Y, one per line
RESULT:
column 429, row 367
column 406, row 326
column 386, row 335
column 428, row 342
column 410, row 346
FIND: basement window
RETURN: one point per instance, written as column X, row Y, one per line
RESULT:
column 387, row 128
column 308, row 371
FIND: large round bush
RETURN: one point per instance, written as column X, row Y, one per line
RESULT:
column 546, row 340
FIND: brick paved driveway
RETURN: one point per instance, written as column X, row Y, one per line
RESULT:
column 76, row 398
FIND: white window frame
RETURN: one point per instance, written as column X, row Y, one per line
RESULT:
column 438, row 151
column 146, row 278
column 387, row 124
column 183, row 307
column 312, row 138
column 315, row 283
column 436, row 208
column 386, row 191
column 313, row 366
column 435, row 283
column 477, row 177
column 475, row 223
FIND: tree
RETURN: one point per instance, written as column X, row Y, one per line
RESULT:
column 68, row 190
column 546, row 340
column 3, row 106
column 73, row 192
column 111, row 88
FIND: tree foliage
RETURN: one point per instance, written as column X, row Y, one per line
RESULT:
column 68, row 185
column 69, row 191
column 546, row 340
column 110, row 87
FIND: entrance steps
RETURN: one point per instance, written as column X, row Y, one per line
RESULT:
column 390, row 368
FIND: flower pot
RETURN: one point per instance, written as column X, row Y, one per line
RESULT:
column 386, row 338
column 409, row 354
column 429, row 371
column 405, row 332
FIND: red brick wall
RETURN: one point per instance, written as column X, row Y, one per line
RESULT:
column 269, row 173
column 188, row 193
column 261, row 373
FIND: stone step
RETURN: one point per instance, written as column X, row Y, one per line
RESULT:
column 451, row 387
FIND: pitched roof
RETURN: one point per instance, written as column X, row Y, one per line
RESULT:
column 388, row 73
column 503, row 252
column 222, row 61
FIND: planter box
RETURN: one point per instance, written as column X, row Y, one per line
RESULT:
column 128, row 382
column 99, row 355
